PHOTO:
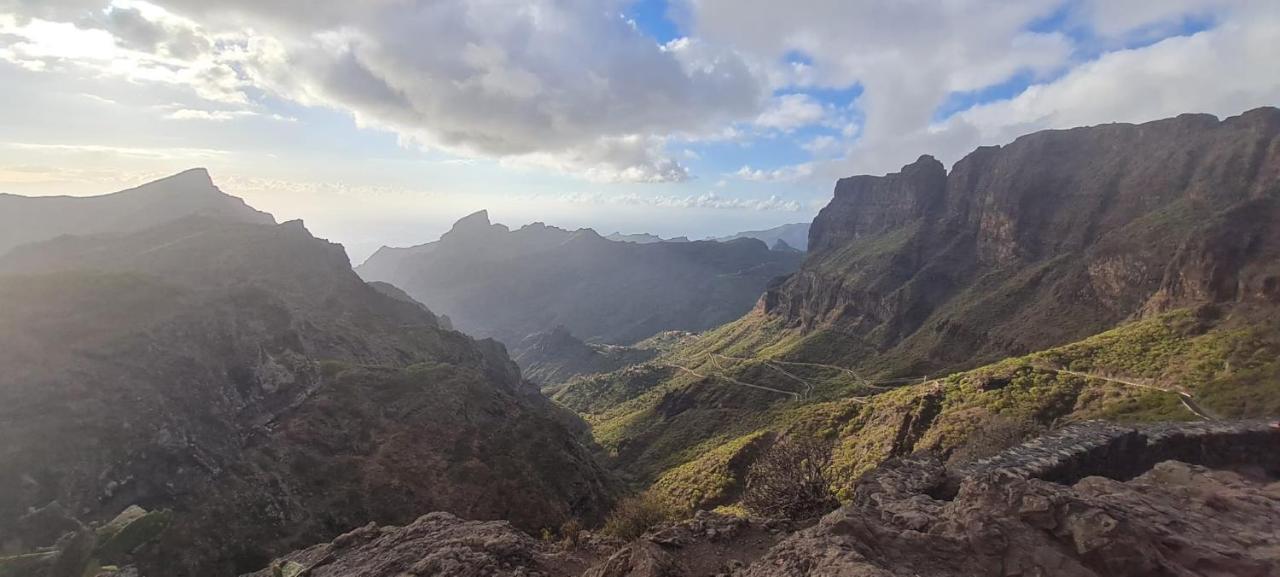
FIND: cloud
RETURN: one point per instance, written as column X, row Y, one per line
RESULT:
column 167, row 153
column 221, row 115
column 784, row 173
column 563, row 83
column 708, row 200
column 791, row 111
column 1224, row 70
column 1125, row 60
column 822, row 145
column 572, row 86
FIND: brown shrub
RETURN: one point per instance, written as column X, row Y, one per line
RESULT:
column 635, row 515
column 790, row 481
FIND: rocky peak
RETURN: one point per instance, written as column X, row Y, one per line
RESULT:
column 191, row 180
column 781, row 245
column 473, row 228
column 868, row 205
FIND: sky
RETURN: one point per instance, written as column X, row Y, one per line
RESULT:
column 381, row 122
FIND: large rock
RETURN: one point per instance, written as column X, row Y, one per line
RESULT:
column 434, row 544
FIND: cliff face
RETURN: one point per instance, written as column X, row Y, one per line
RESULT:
column 1056, row 236
column 245, row 378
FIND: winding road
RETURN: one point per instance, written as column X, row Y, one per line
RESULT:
column 793, row 394
column 1187, row 400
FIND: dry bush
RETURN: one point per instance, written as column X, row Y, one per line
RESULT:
column 790, row 481
column 571, row 532
column 635, row 515
column 993, row 437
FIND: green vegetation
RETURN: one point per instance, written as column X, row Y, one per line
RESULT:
column 715, row 478
column 27, row 564
column 638, row 513
column 129, row 531
column 686, row 437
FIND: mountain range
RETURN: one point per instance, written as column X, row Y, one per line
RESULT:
column 1118, row 271
column 1059, row 357
column 793, row 235
column 508, row 284
column 238, row 374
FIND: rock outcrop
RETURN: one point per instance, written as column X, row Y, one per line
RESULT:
column 1009, row 518
column 509, row 284
column 442, row 544
column 1056, row 236
column 1108, row 517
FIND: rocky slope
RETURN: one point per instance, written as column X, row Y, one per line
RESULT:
column 31, row 219
column 509, row 284
column 243, row 377
column 1090, row 501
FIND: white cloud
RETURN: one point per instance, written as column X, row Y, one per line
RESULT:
column 221, row 115
column 1225, row 70
column 563, row 83
column 791, row 111
column 784, row 173
column 910, row 57
column 168, row 153
column 822, row 145
column 708, row 200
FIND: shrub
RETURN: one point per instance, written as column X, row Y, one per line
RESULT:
column 635, row 515
column 571, row 532
column 790, row 481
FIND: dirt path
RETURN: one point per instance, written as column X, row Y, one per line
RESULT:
column 1187, row 400
column 793, row 394
column 808, row 386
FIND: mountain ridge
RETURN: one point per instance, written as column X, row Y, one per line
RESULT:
column 25, row 219
column 243, row 377
column 493, row 281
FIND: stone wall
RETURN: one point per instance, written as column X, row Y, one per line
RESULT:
column 1122, row 452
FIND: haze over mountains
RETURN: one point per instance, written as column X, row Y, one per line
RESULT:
column 794, row 235
column 253, row 406
column 28, row 219
column 239, row 373
column 508, row 284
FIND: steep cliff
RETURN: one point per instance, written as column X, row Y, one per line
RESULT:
column 1053, row 237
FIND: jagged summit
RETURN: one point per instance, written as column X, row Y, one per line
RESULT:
column 192, row 177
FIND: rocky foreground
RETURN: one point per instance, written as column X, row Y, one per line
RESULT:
column 1086, row 501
